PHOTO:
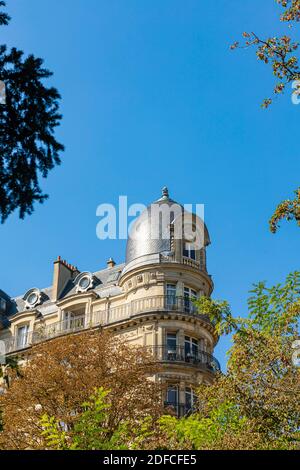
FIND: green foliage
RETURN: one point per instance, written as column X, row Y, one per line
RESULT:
column 270, row 309
column 219, row 314
column 197, row 432
column 276, row 309
column 90, row 431
column 288, row 210
column 53, row 433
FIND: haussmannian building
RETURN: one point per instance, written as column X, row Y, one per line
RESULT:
column 148, row 300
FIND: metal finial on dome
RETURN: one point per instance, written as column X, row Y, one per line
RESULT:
column 165, row 192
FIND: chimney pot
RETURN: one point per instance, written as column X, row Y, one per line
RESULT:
column 111, row 263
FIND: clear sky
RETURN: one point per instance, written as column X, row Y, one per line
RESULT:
column 153, row 96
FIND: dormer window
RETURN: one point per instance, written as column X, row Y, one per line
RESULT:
column 189, row 250
column 84, row 282
column 32, row 298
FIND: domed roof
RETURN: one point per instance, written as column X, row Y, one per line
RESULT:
column 150, row 233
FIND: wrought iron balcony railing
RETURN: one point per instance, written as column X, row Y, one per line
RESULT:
column 75, row 323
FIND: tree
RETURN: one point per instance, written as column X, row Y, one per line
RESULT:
column 280, row 52
column 59, row 378
column 28, row 119
column 89, row 431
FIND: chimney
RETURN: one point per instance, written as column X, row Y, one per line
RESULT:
column 111, row 263
column 63, row 273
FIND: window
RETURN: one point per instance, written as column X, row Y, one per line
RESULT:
column 189, row 296
column 171, row 341
column 171, row 296
column 74, row 320
column 172, row 395
column 32, row 298
column 22, row 336
column 191, row 348
column 171, row 349
column 189, row 250
column 84, row 281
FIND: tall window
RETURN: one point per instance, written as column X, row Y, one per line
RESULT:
column 22, row 336
column 171, row 349
column 171, row 296
column 189, row 250
column 191, row 348
column 171, row 341
column 189, row 296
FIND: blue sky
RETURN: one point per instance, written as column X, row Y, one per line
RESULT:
column 153, row 96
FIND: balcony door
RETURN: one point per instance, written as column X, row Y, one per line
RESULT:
column 189, row 296
column 191, row 349
column 171, row 347
column 73, row 320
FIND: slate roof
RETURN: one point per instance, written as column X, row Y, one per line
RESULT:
column 106, row 284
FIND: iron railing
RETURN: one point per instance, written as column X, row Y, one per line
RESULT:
column 75, row 323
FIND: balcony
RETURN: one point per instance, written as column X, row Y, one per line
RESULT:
column 179, row 355
column 126, row 311
column 170, row 258
column 17, row 343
